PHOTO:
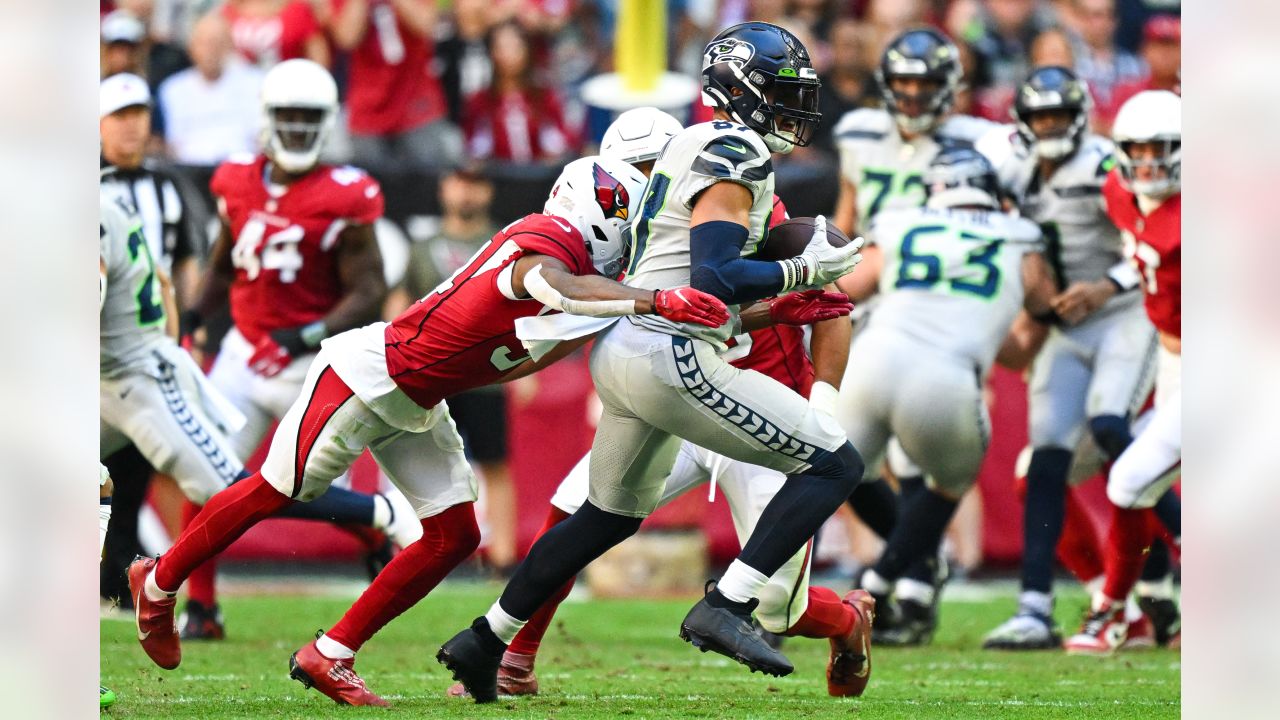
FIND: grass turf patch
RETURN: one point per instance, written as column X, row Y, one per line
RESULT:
column 622, row 658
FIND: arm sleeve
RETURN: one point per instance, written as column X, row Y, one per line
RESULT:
column 717, row 268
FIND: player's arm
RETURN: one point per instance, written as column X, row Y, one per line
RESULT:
column 1022, row 344
column 557, row 353
column 1084, row 298
column 550, row 281
column 169, row 300
column 846, row 214
column 214, row 285
column 102, row 282
column 348, row 25
column 830, row 349
column 364, row 283
column 863, row 282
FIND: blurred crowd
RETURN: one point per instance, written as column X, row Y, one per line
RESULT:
column 435, row 83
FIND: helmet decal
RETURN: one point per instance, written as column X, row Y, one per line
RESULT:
column 729, row 50
column 612, row 195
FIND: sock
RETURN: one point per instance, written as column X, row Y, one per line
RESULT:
column 909, row 488
column 876, row 505
column 918, row 533
column 1079, row 549
column 382, row 512
column 560, row 554
column 825, row 617
column 502, row 624
column 335, row 505
column 922, row 569
column 1127, row 545
column 447, row 540
column 1157, row 564
column 872, row 582
column 798, row 509
column 1094, row 584
column 529, row 638
column 1169, row 509
column 914, row 590
column 1034, row 601
column 153, row 590
column 1111, row 433
column 200, row 583
column 333, row 649
column 223, row 519
column 741, row 582
column 1161, row 589
column 104, row 519
column 1131, row 610
column 1043, row 516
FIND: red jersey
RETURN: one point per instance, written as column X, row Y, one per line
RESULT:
column 463, row 334
column 285, row 237
column 1154, row 244
column 266, row 41
column 391, row 87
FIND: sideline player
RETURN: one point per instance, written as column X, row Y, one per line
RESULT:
column 706, row 210
column 297, row 260
column 789, row 606
column 383, row 386
column 1144, row 198
column 1095, row 367
column 954, row 274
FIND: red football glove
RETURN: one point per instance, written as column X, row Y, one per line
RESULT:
column 688, row 305
column 808, row 307
column 269, row 358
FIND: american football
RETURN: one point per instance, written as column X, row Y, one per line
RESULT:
column 790, row 237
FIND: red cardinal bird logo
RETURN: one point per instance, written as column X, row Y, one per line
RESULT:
column 612, row 195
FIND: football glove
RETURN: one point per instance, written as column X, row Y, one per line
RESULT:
column 808, row 307
column 692, row 306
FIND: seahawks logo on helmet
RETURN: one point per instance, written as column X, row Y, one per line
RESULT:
column 731, row 50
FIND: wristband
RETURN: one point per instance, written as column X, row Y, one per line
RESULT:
column 1048, row 317
column 313, row 334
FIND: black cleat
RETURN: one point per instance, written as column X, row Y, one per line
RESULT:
column 473, row 659
column 914, row 625
column 201, row 622
column 773, row 639
column 729, row 633
column 1165, row 618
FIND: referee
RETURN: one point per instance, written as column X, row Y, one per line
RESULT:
column 124, row 122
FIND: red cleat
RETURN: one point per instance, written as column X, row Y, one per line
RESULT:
column 515, row 677
column 1102, row 632
column 1140, row 635
column 157, row 626
column 335, row 679
column 849, row 669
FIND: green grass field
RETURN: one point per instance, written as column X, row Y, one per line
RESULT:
column 609, row 659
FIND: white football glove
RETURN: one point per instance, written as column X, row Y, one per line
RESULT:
column 821, row 263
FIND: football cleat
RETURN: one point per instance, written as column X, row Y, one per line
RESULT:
column 157, row 626
column 849, row 668
column 885, row 611
column 515, row 677
column 773, row 639
column 729, row 633
column 335, row 679
column 1139, row 634
column 1166, row 620
column 914, row 625
column 1025, row 631
column 1101, row 633
column 201, row 622
column 473, row 661
column 106, row 698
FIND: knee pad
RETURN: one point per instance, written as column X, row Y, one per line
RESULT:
column 1111, row 433
column 844, row 466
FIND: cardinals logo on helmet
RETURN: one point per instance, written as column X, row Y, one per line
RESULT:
column 611, row 194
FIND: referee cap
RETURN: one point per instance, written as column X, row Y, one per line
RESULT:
column 121, row 91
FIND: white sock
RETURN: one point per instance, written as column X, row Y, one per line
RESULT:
column 502, row 624
column 153, row 591
column 104, row 517
column 1036, row 602
column 741, row 582
column 914, row 590
column 1161, row 589
column 1131, row 610
column 1094, row 586
column 333, row 649
column 381, row 512
column 1101, row 601
column 873, row 583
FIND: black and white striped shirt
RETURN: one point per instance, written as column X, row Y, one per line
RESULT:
column 167, row 222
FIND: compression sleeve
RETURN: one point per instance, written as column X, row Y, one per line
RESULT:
column 717, row 268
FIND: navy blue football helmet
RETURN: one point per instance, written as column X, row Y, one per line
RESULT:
column 761, row 75
column 926, row 55
column 961, row 177
column 1052, row 88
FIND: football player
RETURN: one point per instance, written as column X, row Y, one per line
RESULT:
column 706, row 210
column 953, row 274
column 788, row 605
column 1144, row 199
column 297, row 260
column 116, row 223
column 1096, row 366
column 382, row 387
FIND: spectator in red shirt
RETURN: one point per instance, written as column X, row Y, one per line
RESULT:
column 395, row 105
column 1162, row 51
column 267, row 32
column 515, row 119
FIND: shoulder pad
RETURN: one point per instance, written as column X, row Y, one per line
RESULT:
column 966, row 128
column 735, row 157
column 241, row 158
column 864, row 124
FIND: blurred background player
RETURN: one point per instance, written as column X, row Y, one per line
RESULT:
column 954, row 275
column 788, row 606
column 1144, row 199
column 1096, row 366
column 464, row 226
column 706, row 209
column 297, row 260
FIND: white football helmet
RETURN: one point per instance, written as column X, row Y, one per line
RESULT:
column 1150, row 116
column 600, row 196
column 297, row 84
column 638, row 135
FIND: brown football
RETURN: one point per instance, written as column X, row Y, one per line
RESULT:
column 788, row 239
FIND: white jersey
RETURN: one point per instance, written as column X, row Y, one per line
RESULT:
column 886, row 169
column 1081, row 242
column 132, row 316
column 952, row 279
column 694, row 160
